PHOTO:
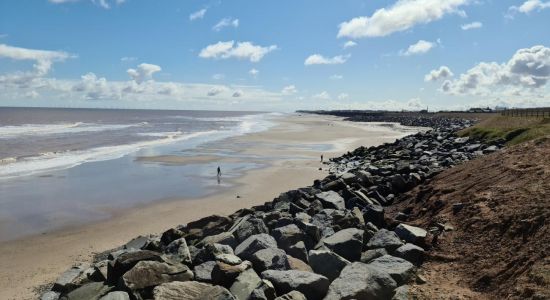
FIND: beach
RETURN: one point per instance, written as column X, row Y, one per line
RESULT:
column 289, row 155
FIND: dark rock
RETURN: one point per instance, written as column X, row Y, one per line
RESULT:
column 171, row 235
column 410, row 252
column 50, row 295
column 248, row 226
column 210, row 252
column 369, row 255
column 347, row 243
column 375, row 214
column 294, row 295
column 245, row 284
column 138, row 243
column 151, row 273
column 179, row 250
column 411, row 234
column 253, row 244
column 287, row 236
column 298, row 264
column 312, row 285
column 331, row 199
column 399, row 269
column 270, row 258
column 224, row 274
column 360, row 281
column 210, row 225
column 190, row 290
column 327, row 263
column 118, row 295
column 224, row 238
column 90, row 291
column 203, row 272
column 299, row 251
column 264, row 291
column 401, row 293
column 69, row 280
column 384, row 238
column 126, row 261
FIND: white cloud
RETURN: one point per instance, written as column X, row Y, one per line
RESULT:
column 43, row 58
column 530, row 6
column 343, row 96
column 349, row 44
column 197, row 15
column 324, row 95
column 240, row 50
column 336, row 77
column 527, row 70
column 226, row 22
column 253, row 72
column 143, row 72
column 419, row 47
column 402, row 15
column 106, row 4
column 473, row 25
column 128, row 59
column 318, row 59
column 218, row 76
column 216, row 90
column 441, row 73
column 289, row 90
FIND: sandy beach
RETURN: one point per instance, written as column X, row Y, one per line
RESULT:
column 294, row 145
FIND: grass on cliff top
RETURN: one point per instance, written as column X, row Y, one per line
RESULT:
column 514, row 130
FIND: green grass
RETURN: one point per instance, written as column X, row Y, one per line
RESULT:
column 513, row 130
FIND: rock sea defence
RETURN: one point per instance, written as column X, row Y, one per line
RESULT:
column 331, row 240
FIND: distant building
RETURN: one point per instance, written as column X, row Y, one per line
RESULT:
column 480, row 110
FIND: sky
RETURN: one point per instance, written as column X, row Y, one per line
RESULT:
column 279, row 55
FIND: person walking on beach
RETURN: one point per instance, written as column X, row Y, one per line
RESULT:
column 321, row 157
column 219, row 171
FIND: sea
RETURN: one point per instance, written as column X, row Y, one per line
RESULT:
column 61, row 167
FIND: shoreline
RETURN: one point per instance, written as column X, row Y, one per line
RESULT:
column 36, row 260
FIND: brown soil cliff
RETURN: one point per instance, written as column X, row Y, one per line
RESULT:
column 495, row 211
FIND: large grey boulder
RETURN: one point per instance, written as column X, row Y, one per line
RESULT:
column 271, row 258
column 361, row 282
column 264, row 291
column 410, row 252
column 178, row 249
column 90, row 291
column 69, row 279
column 118, row 295
column 224, row 274
column 294, row 295
column 371, row 254
column 374, row 213
column 384, row 238
column 313, row 286
column 327, row 263
column 203, row 272
column 399, row 269
column 298, row 250
column 401, row 293
column 210, row 252
column 151, row 273
column 224, row 238
column 331, row 199
column 253, row 244
column 245, row 284
column 248, row 226
column 411, row 234
column 50, row 295
column 288, row 235
column 128, row 260
column 347, row 243
column 190, row 290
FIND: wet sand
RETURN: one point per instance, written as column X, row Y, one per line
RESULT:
column 293, row 146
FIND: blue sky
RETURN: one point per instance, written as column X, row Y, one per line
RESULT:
column 274, row 55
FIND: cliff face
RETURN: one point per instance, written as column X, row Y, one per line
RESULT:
column 496, row 210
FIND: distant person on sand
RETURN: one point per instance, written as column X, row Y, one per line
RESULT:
column 219, row 174
column 321, row 157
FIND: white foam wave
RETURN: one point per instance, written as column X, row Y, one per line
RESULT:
column 7, row 132
column 51, row 161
